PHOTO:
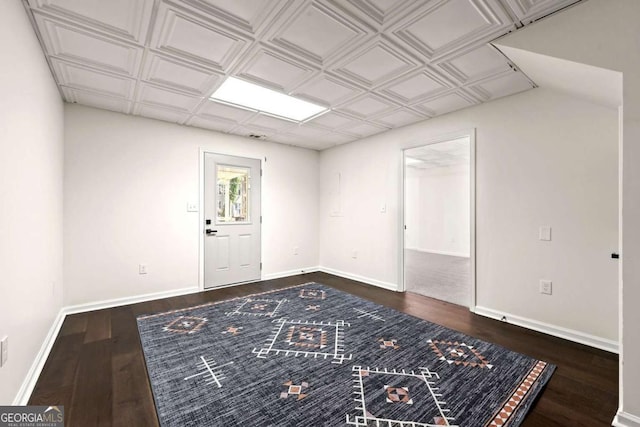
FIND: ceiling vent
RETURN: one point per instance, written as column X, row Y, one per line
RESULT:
column 257, row 136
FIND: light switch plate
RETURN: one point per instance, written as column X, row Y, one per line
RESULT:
column 545, row 287
column 4, row 351
column 142, row 269
column 545, row 233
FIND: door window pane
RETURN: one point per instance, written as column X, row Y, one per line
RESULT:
column 234, row 184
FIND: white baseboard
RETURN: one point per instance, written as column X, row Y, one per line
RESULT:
column 556, row 331
column 367, row 280
column 281, row 274
column 434, row 251
column 117, row 302
column 624, row 419
column 22, row 398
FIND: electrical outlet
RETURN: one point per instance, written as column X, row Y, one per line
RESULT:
column 4, row 351
column 142, row 269
column 544, row 233
column 192, row 207
column 383, row 208
column 354, row 254
column 295, row 250
column 545, row 287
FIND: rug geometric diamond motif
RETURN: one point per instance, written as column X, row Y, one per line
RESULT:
column 307, row 339
column 258, row 307
column 312, row 294
column 459, row 353
column 395, row 407
column 185, row 325
column 295, row 390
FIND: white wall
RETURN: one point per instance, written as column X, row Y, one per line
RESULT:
column 542, row 158
column 437, row 207
column 127, row 184
column 31, row 155
column 604, row 34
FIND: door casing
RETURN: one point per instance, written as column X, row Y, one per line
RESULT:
column 201, row 219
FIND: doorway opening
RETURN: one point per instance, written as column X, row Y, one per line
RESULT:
column 439, row 220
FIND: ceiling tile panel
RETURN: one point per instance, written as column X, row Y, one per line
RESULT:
column 318, row 33
column 269, row 122
column 128, row 19
column 74, row 44
column 96, row 100
column 212, row 124
column 149, row 94
column 376, row 63
column 476, row 64
column 275, row 70
column 363, row 129
column 414, row 87
column 528, row 11
column 247, row 15
column 79, row 77
column 400, row 117
column 160, row 113
column 327, row 90
column 309, row 131
column 176, row 74
column 216, row 110
column 180, row 33
column 445, row 104
column 367, row 105
column 507, row 84
column 333, row 120
column 381, row 12
column 441, row 27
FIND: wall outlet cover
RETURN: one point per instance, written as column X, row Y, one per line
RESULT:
column 142, row 269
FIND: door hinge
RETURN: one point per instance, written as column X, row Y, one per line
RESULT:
column 260, row 219
column 260, row 172
column 260, row 266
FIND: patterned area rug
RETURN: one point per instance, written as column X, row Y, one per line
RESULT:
column 311, row 355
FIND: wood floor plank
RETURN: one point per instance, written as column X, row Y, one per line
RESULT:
column 91, row 403
column 98, row 326
column 132, row 397
column 97, row 370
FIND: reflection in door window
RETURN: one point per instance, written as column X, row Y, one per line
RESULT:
column 234, row 183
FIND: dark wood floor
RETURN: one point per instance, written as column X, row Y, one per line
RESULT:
column 96, row 367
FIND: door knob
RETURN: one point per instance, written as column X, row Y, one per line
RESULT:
column 210, row 231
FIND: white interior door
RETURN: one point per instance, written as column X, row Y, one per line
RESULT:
column 232, row 220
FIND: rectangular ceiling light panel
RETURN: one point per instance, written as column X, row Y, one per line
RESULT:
column 255, row 97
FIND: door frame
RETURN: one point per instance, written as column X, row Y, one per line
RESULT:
column 201, row 179
column 471, row 134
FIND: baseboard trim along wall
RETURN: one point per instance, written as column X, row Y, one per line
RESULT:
column 624, row 419
column 358, row 278
column 289, row 273
column 434, row 251
column 118, row 302
column 556, row 331
column 24, row 393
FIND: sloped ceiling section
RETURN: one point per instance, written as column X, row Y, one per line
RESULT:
column 377, row 64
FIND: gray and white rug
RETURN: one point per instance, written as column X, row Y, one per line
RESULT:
column 311, row 355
